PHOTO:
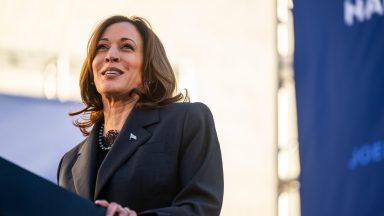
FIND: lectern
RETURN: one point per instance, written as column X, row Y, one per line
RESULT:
column 24, row 193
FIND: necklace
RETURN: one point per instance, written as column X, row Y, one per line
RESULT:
column 106, row 143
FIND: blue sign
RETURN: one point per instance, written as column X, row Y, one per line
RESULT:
column 339, row 75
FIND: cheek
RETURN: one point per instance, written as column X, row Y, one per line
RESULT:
column 139, row 74
column 94, row 65
column 140, row 68
column 135, row 66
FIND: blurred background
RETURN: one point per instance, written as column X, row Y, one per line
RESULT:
column 224, row 52
column 236, row 57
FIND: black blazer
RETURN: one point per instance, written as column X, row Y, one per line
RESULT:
column 173, row 165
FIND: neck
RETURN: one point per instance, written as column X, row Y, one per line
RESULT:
column 116, row 113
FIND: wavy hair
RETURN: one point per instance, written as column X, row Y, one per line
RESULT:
column 159, row 82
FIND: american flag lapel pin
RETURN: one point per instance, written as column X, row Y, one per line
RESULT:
column 132, row 137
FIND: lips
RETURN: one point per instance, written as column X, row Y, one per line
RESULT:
column 112, row 72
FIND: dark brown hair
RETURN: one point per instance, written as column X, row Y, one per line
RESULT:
column 159, row 82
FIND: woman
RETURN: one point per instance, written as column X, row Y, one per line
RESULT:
column 145, row 154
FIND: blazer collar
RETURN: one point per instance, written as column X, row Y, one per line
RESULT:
column 132, row 136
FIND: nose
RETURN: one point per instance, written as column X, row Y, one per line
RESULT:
column 112, row 56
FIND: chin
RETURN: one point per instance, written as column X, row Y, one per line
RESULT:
column 115, row 92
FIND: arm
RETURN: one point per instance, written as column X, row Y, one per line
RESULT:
column 200, row 168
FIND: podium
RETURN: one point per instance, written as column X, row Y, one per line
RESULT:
column 24, row 193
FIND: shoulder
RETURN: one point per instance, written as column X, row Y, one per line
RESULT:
column 190, row 109
column 72, row 154
column 67, row 162
column 191, row 115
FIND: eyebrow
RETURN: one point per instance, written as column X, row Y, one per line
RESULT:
column 122, row 39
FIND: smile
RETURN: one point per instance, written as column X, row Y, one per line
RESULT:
column 112, row 72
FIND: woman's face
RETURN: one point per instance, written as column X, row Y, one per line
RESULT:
column 117, row 66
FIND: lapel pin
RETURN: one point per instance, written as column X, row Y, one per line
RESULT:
column 132, row 137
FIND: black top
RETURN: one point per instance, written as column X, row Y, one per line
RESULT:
column 100, row 155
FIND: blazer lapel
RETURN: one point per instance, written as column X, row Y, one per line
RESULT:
column 131, row 137
column 83, row 171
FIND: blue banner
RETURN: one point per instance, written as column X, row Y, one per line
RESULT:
column 339, row 75
column 35, row 133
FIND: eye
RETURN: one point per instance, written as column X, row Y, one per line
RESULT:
column 101, row 47
column 127, row 46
